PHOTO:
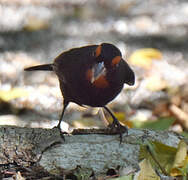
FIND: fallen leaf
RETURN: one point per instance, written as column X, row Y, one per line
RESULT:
column 160, row 124
column 172, row 161
column 181, row 159
column 143, row 57
column 181, row 116
column 162, row 153
column 146, row 171
column 121, row 118
column 13, row 93
column 34, row 24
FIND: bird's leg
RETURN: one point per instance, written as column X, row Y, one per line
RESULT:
column 65, row 104
column 116, row 125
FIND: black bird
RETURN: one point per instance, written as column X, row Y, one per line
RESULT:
column 91, row 75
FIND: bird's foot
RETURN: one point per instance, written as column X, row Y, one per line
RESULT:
column 64, row 128
column 60, row 131
column 117, row 128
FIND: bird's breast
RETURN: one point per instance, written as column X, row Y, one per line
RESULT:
column 99, row 81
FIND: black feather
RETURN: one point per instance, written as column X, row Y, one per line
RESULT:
column 44, row 67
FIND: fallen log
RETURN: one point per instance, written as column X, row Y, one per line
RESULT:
column 92, row 150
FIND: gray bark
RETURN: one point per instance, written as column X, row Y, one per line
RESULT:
column 92, row 152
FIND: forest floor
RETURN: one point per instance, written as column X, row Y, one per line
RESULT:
column 35, row 31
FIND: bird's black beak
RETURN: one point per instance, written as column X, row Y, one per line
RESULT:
column 130, row 77
column 131, row 83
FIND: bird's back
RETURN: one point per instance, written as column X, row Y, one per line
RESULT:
column 70, row 67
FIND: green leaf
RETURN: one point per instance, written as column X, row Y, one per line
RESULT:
column 160, row 124
column 164, row 154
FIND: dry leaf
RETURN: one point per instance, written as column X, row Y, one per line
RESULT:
column 181, row 159
column 180, row 115
column 121, row 118
column 143, row 57
column 34, row 24
column 13, row 94
column 163, row 154
column 173, row 161
column 146, row 171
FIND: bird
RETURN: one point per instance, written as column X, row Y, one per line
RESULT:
column 91, row 75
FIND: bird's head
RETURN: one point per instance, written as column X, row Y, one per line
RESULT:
column 107, row 59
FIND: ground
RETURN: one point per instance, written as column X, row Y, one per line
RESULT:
column 34, row 32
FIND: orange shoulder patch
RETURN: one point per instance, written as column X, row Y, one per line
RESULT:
column 115, row 60
column 98, row 50
column 101, row 82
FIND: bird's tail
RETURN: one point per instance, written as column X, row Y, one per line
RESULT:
column 44, row 67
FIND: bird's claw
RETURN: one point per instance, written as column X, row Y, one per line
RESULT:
column 116, row 127
column 60, row 132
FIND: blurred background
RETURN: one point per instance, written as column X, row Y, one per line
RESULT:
column 153, row 38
